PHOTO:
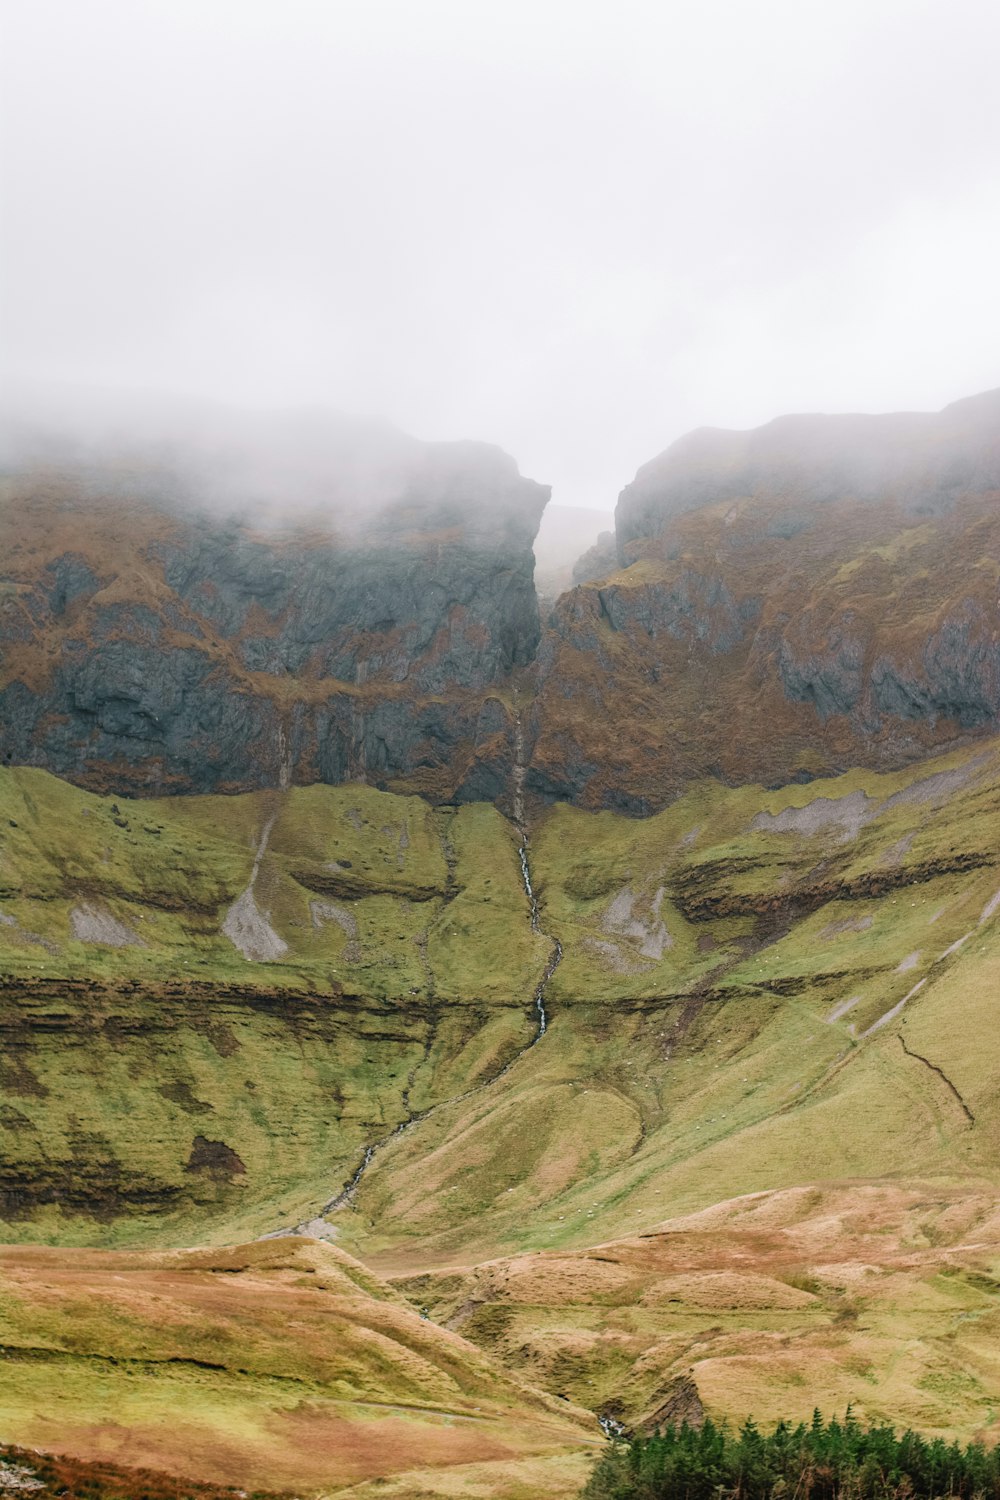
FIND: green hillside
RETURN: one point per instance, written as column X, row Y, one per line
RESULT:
column 798, row 1023
column 757, row 988
column 217, row 1011
column 272, row 1366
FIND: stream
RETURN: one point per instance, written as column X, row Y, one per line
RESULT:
column 518, row 775
column 555, row 957
column 345, row 1197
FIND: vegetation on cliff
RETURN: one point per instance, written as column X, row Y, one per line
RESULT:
column 222, row 621
column 813, row 596
column 750, row 981
column 754, row 1144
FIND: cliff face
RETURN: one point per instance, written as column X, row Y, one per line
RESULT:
column 819, row 593
column 796, row 468
column 311, row 602
column 155, row 637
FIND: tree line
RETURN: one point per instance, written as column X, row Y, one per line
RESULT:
column 835, row 1460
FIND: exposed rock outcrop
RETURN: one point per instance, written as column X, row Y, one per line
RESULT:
column 195, row 620
column 337, row 602
column 598, row 561
column 816, row 594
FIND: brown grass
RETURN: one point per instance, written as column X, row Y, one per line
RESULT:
column 278, row 1365
column 876, row 1293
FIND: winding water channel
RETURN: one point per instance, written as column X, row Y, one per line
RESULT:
column 555, row 957
column 345, row 1197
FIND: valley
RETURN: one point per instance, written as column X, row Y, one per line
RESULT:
column 757, row 995
column 438, row 1033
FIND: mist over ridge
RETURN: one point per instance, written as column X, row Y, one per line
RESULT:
column 561, row 230
column 319, row 463
column 499, row 749
column 209, row 599
column 276, row 468
column 923, row 461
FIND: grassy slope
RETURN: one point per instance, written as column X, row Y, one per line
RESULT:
column 168, row 870
column 883, row 1295
column 663, row 1084
column 679, row 1069
column 408, row 975
column 723, row 1067
column 278, row 1365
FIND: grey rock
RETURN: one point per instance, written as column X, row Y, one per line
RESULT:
column 598, row 561
column 365, row 640
column 832, row 682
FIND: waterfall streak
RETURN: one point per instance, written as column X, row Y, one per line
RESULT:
column 518, row 778
column 345, row 1198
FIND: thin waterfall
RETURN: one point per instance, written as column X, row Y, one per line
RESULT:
column 345, row 1198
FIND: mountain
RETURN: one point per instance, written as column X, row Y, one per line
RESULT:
column 781, row 994
column 622, row 1047
column 223, row 609
column 817, row 594
column 217, row 1011
column 220, row 603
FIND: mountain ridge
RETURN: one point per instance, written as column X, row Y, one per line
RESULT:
column 157, row 645
column 526, row 1016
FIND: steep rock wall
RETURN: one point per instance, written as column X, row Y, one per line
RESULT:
column 819, row 593
column 157, row 638
column 311, row 602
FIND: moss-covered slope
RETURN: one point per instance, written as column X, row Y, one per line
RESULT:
column 278, row 1366
column 883, row 1296
column 154, row 1073
column 756, row 989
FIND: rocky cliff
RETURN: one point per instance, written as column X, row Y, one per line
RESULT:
column 815, row 594
column 302, row 601
column 224, row 604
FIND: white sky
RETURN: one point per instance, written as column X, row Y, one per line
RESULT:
column 576, row 229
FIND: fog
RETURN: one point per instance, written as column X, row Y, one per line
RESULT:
column 573, row 229
column 305, row 468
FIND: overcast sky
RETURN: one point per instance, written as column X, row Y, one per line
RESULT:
column 575, row 229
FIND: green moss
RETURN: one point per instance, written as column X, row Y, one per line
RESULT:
column 707, row 1027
